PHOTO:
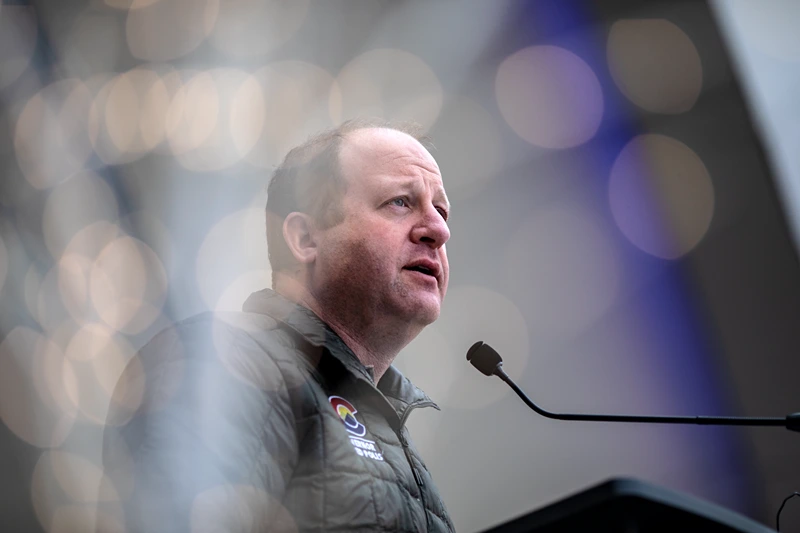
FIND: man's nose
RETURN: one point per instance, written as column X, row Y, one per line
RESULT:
column 431, row 229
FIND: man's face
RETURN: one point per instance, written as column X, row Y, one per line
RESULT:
column 387, row 259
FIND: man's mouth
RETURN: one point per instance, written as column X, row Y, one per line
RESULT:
column 425, row 266
column 422, row 269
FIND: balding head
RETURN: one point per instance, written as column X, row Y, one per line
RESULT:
column 364, row 148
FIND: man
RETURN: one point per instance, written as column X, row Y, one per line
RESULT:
column 289, row 416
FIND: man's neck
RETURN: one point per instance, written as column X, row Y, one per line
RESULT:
column 375, row 343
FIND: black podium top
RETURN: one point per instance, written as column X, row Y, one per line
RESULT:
column 631, row 506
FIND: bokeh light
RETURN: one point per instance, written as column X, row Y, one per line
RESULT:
column 128, row 115
column 78, row 478
column 94, row 44
column 168, row 29
column 215, row 119
column 297, row 100
column 18, row 34
column 128, row 285
column 661, row 195
column 128, row 396
column 232, row 258
column 549, row 96
column 388, row 83
column 193, row 112
column 73, row 286
column 51, row 139
column 37, row 389
column 468, row 147
column 563, row 268
column 74, row 518
column 152, row 230
column 50, row 310
column 238, row 508
column 90, row 342
column 75, row 266
column 91, row 239
column 30, row 289
column 655, row 64
column 65, row 490
column 83, row 200
column 246, row 110
column 99, row 357
column 247, row 28
column 118, row 469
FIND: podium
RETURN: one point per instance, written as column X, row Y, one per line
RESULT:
column 631, row 506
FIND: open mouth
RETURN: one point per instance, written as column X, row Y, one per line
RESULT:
column 422, row 269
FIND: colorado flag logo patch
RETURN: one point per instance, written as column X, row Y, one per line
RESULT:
column 357, row 430
column 347, row 413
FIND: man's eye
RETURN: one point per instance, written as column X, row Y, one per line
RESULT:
column 400, row 202
column 442, row 212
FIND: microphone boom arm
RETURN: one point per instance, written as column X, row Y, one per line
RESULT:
column 489, row 362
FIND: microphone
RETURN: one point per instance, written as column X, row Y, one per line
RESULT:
column 488, row 361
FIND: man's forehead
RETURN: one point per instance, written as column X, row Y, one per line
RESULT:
column 375, row 158
column 376, row 146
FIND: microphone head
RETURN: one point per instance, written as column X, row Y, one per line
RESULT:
column 484, row 358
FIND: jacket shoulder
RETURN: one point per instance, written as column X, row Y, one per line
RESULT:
column 208, row 402
column 210, row 350
column 217, row 336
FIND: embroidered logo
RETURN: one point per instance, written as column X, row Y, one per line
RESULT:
column 357, row 430
column 347, row 413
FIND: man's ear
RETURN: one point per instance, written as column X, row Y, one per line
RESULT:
column 299, row 234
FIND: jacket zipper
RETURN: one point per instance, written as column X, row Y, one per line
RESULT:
column 407, row 451
column 404, row 443
column 417, row 476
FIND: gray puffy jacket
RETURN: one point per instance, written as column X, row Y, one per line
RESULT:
column 264, row 421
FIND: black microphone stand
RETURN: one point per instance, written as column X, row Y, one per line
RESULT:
column 488, row 361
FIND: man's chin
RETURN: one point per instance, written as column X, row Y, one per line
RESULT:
column 417, row 306
column 427, row 310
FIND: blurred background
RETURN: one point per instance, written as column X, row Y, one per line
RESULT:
column 626, row 193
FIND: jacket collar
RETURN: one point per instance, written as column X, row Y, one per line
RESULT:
column 397, row 388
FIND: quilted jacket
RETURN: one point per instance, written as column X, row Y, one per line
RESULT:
column 264, row 421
